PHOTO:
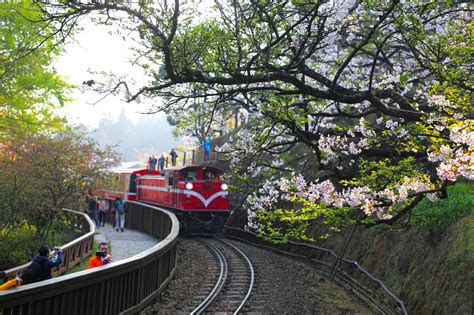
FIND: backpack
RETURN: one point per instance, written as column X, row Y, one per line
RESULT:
column 121, row 207
column 33, row 273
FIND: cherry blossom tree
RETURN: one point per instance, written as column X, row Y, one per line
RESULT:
column 373, row 96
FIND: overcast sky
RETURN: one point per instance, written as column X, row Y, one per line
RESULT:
column 97, row 50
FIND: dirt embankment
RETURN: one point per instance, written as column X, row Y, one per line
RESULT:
column 432, row 274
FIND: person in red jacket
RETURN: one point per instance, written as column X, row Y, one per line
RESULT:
column 101, row 258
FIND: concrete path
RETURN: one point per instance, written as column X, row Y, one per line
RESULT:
column 124, row 244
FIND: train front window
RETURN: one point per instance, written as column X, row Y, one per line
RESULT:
column 209, row 174
column 189, row 175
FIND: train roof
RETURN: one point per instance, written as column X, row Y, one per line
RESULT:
column 145, row 171
column 182, row 167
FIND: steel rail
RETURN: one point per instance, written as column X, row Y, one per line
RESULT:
column 380, row 283
column 252, row 273
column 220, row 282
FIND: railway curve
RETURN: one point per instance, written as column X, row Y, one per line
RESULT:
column 235, row 282
column 282, row 285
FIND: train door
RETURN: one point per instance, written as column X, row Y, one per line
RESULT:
column 171, row 182
column 125, row 182
column 175, row 190
column 132, row 188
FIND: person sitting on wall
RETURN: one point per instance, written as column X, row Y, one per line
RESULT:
column 102, row 257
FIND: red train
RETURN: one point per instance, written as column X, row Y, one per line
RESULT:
column 195, row 193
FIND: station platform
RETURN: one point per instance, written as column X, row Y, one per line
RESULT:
column 124, row 244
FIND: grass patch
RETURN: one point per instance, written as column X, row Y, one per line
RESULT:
column 436, row 216
column 83, row 264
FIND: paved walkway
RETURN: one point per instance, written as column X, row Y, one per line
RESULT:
column 124, row 244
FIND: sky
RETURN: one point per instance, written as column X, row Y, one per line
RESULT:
column 95, row 49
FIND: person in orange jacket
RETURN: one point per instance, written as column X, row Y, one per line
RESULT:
column 8, row 284
column 101, row 258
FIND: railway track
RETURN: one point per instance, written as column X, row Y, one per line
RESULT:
column 233, row 281
column 207, row 282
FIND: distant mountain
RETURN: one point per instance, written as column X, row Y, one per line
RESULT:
column 150, row 135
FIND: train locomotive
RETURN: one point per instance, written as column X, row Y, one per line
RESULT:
column 195, row 193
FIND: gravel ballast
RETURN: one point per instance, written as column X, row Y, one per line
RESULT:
column 283, row 285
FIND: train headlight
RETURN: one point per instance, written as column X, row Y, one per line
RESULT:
column 224, row 187
column 189, row 186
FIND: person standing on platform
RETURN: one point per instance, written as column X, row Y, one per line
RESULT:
column 113, row 213
column 149, row 163
column 92, row 210
column 120, row 208
column 206, row 147
column 103, row 209
column 173, row 155
column 161, row 162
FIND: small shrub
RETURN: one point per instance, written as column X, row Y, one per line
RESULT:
column 436, row 216
column 19, row 245
column 16, row 247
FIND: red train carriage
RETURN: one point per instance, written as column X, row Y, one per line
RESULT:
column 195, row 193
column 121, row 183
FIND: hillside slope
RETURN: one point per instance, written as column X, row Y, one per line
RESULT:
column 432, row 274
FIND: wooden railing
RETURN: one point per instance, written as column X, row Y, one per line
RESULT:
column 75, row 251
column 123, row 287
column 191, row 157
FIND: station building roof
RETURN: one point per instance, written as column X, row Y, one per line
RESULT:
column 128, row 167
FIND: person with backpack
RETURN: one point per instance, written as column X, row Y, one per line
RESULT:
column 120, row 208
column 40, row 268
